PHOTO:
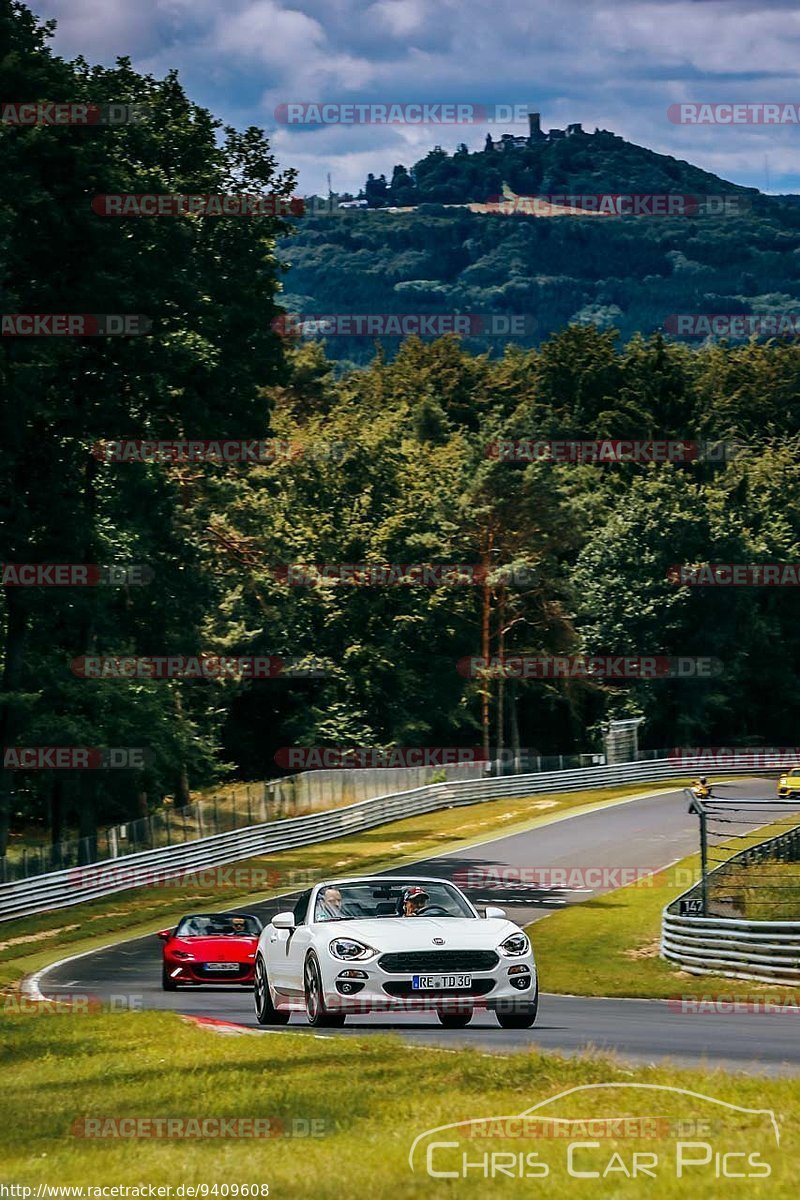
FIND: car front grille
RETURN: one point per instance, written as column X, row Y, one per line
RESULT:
column 422, row 961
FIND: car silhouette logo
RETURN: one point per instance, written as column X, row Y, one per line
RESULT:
column 438, row 941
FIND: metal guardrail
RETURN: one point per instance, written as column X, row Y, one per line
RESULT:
column 762, row 951
column 291, row 796
column 61, row 889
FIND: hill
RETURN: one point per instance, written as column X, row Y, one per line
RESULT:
column 735, row 254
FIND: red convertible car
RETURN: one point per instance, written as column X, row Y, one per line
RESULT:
column 210, row 948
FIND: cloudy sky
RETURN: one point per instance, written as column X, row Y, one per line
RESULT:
column 615, row 64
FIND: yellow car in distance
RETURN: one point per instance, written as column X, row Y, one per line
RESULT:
column 789, row 784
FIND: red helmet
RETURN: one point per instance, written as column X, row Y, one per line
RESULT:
column 412, row 893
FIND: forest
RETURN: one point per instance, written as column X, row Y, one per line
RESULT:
column 390, row 462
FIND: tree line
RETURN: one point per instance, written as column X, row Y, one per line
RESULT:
column 388, row 463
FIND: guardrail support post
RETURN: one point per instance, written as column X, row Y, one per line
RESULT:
column 697, row 808
column 703, row 861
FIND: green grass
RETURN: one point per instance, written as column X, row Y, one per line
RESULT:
column 28, row 944
column 609, row 946
column 370, row 1098
column 766, row 891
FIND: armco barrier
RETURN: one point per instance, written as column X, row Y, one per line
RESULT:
column 60, row 889
column 274, row 799
column 764, row 951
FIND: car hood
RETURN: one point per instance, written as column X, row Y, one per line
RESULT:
column 216, row 949
column 418, row 933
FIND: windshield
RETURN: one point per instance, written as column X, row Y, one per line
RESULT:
column 219, row 925
column 409, row 898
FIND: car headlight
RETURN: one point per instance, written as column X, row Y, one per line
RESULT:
column 515, row 945
column 349, row 949
column 182, row 954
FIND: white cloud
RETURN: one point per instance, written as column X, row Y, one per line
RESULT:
column 402, row 17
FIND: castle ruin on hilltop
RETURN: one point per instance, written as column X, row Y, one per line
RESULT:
column 536, row 134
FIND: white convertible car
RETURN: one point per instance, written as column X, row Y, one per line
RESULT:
column 388, row 944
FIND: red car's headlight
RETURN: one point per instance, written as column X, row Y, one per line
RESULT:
column 182, row 954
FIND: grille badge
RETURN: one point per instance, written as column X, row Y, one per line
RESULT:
column 438, row 941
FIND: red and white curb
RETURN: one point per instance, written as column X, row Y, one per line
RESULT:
column 229, row 1028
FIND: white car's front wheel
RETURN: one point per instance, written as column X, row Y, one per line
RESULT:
column 266, row 1012
column 318, row 1013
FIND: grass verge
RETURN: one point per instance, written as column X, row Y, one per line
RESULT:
column 333, row 1138
column 765, row 891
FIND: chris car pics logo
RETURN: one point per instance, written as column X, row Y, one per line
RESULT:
column 607, row 1132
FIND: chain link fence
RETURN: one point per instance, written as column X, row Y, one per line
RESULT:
column 239, row 808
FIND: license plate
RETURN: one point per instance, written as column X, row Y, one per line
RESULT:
column 222, row 966
column 422, row 983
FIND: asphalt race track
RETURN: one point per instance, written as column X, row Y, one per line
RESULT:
column 644, row 834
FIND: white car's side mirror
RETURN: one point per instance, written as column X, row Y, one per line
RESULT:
column 493, row 911
column 284, row 920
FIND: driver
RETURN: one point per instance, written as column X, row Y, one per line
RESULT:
column 329, row 905
column 413, row 902
column 237, row 926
